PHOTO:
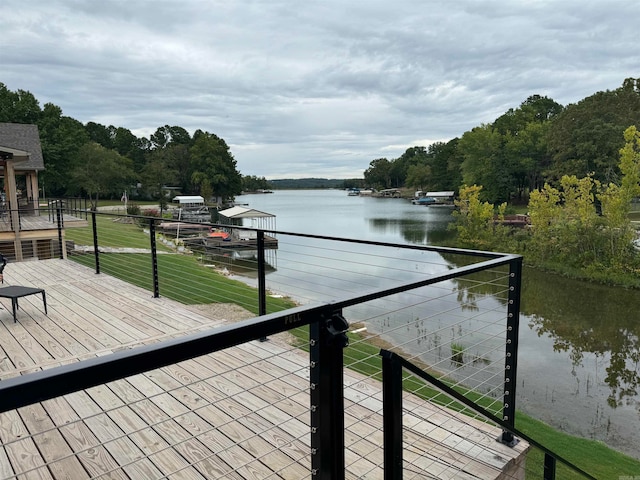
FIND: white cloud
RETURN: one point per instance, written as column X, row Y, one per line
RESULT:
column 313, row 89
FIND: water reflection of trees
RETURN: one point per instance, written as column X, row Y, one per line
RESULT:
column 580, row 317
column 413, row 230
column 472, row 288
column 585, row 318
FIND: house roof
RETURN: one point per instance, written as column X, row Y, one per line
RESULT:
column 24, row 137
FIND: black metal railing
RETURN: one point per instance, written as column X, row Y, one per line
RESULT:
column 327, row 341
column 393, row 366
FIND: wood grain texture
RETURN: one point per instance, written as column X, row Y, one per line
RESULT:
column 242, row 413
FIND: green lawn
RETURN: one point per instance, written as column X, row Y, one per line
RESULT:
column 112, row 232
column 182, row 278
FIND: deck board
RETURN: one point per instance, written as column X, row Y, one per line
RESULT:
column 242, row 413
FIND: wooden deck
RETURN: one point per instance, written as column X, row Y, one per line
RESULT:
column 41, row 222
column 242, row 413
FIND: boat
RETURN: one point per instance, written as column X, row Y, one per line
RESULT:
column 424, row 201
column 219, row 235
column 353, row 192
column 435, row 199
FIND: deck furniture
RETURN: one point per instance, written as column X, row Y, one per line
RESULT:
column 14, row 292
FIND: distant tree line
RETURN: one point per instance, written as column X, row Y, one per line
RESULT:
column 522, row 150
column 104, row 161
column 309, row 183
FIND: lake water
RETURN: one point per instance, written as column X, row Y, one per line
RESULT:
column 579, row 353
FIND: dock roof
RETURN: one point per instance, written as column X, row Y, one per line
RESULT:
column 244, row 212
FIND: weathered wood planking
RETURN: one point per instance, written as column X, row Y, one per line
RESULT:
column 242, row 413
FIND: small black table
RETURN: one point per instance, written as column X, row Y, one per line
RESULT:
column 15, row 291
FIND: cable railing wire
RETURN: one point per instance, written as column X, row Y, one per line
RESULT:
column 447, row 305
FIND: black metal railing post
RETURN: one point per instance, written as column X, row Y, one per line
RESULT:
column 327, row 340
column 60, row 226
column 511, row 360
column 96, row 252
column 262, row 286
column 154, row 257
column 392, row 415
column 549, row 467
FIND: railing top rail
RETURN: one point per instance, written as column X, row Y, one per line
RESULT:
column 39, row 386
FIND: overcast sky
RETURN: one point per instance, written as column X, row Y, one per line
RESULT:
column 313, row 88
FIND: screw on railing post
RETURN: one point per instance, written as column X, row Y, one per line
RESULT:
column 327, row 340
column 392, row 415
column 511, row 349
column 96, row 253
column 549, row 467
column 154, row 257
column 60, row 225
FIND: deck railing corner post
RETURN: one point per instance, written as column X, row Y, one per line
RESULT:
column 327, row 339
column 511, row 348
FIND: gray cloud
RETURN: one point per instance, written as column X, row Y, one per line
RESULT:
column 317, row 88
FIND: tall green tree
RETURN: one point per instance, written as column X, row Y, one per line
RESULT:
column 378, row 174
column 130, row 146
column 169, row 135
column 412, row 156
column 160, row 171
column 100, row 134
column 61, row 138
column 211, row 158
column 444, row 162
column 100, row 172
column 419, row 177
column 19, row 106
column 586, row 137
column 486, row 164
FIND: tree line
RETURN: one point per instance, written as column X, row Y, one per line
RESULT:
column 527, row 147
column 104, row 161
column 580, row 227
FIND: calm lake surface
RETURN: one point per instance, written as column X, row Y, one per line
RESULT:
column 579, row 352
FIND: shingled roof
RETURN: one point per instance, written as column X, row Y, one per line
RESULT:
column 23, row 137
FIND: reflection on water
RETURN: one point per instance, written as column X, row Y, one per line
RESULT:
column 418, row 225
column 583, row 319
column 579, row 353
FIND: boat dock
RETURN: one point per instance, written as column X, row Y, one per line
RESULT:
column 231, row 243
